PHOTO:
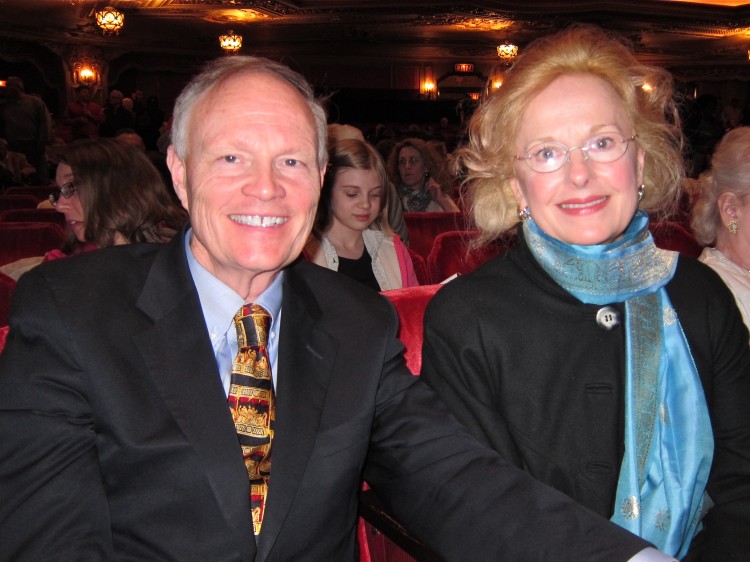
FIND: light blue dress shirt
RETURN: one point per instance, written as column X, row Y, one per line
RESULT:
column 220, row 303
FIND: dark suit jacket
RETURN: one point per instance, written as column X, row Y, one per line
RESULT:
column 116, row 441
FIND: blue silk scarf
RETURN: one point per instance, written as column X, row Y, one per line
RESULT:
column 668, row 439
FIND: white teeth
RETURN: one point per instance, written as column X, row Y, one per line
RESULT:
column 255, row 220
column 581, row 205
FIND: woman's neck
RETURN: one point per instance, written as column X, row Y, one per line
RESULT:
column 735, row 248
column 349, row 243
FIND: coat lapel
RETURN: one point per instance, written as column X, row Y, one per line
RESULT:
column 306, row 357
column 178, row 353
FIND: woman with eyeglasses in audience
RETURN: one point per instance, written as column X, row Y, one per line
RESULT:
column 351, row 234
column 420, row 177
column 609, row 369
column 110, row 194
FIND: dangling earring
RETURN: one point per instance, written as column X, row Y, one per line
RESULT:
column 641, row 190
column 733, row 226
column 524, row 214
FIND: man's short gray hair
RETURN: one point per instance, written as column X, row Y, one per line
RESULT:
column 218, row 71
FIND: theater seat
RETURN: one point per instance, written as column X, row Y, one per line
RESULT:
column 451, row 253
column 669, row 235
column 7, row 286
column 21, row 201
column 3, row 337
column 26, row 239
column 381, row 537
column 32, row 215
column 424, row 227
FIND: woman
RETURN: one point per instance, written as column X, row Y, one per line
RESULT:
column 351, row 233
column 611, row 370
column 110, row 194
column 419, row 176
column 721, row 215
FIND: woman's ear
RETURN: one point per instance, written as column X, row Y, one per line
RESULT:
column 728, row 207
column 515, row 187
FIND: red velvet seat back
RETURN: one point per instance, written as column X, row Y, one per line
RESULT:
column 450, row 253
column 25, row 239
column 40, row 192
column 410, row 305
column 424, row 227
column 21, row 201
column 7, row 286
column 32, row 215
column 673, row 236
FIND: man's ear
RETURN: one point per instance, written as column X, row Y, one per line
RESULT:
column 177, row 170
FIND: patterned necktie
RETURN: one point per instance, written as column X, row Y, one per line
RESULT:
column 251, row 402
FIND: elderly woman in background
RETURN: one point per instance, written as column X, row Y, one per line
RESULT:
column 612, row 370
column 721, row 215
column 351, row 233
column 110, row 194
column 420, row 177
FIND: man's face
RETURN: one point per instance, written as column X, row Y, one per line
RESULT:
column 251, row 179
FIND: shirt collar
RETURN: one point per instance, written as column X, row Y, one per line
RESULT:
column 220, row 303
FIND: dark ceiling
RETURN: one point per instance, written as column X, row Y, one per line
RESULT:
column 695, row 40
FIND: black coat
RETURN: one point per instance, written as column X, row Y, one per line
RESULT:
column 525, row 366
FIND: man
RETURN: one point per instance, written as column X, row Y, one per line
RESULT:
column 116, row 116
column 115, row 438
column 84, row 115
column 14, row 168
column 26, row 124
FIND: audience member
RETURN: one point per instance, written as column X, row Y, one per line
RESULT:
column 420, row 177
column 25, row 124
column 721, row 215
column 83, row 115
column 352, row 234
column 123, row 427
column 110, row 194
column 612, row 370
column 394, row 207
column 116, row 117
column 14, row 168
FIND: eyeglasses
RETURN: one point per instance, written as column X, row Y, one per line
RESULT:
column 67, row 190
column 604, row 148
column 411, row 160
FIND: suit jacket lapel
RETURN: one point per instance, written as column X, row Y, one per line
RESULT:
column 179, row 355
column 306, row 355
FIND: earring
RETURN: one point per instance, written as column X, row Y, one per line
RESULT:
column 524, row 214
column 733, row 226
column 641, row 190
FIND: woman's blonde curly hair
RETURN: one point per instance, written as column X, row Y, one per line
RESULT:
column 487, row 161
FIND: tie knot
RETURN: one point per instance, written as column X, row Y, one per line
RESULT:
column 252, row 322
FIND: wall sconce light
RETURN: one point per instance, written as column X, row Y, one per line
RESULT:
column 84, row 74
column 497, row 83
column 110, row 20
column 231, row 42
column 507, row 52
column 3, row 83
column 474, row 96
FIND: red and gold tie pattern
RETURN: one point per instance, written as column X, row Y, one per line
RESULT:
column 251, row 402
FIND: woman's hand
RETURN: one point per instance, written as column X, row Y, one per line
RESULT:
column 439, row 197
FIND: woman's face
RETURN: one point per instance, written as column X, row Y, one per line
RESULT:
column 72, row 208
column 411, row 167
column 356, row 198
column 584, row 202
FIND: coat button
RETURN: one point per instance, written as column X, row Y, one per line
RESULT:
column 608, row 318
